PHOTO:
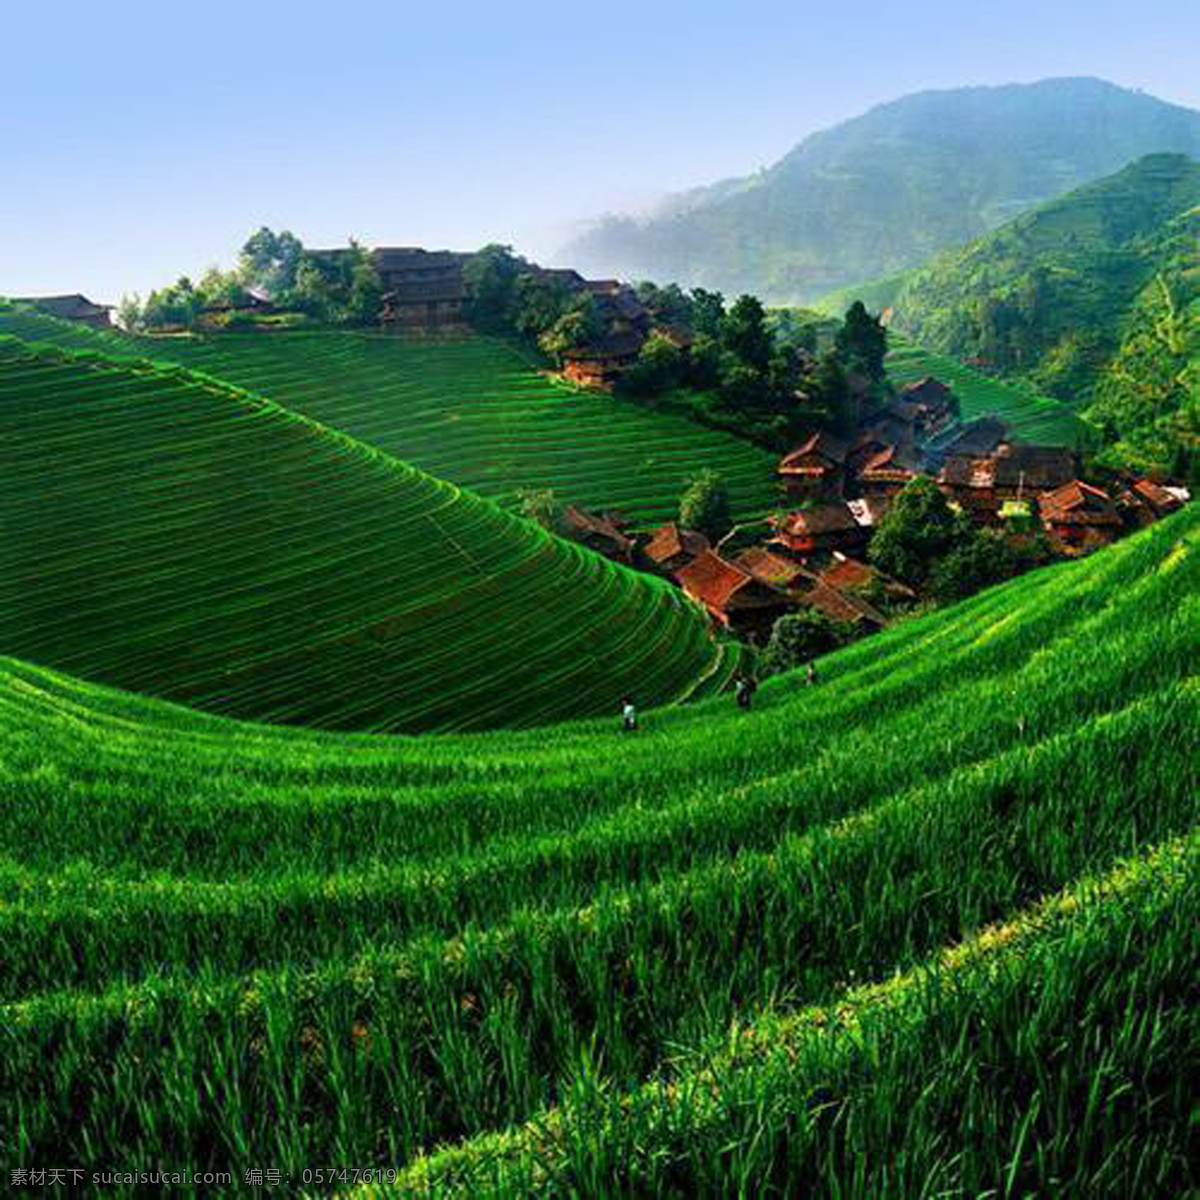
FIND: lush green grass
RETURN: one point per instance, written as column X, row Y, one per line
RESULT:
column 230, row 943
column 469, row 410
column 170, row 534
column 1033, row 418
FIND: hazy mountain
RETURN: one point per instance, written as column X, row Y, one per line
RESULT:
column 888, row 189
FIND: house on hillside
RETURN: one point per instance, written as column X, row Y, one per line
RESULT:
column 423, row 289
column 773, row 569
column 977, row 439
column 815, row 467
column 671, row 548
column 838, row 605
column 1141, row 502
column 1078, row 517
column 599, row 532
column 827, row 527
column 733, row 597
column 888, row 472
column 927, row 405
column 851, row 575
column 599, row 365
column 74, row 307
column 1013, row 471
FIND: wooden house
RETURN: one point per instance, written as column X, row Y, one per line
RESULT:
column 826, row 527
column 815, row 467
column 843, row 606
column 928, row 405
column 599, row 365
column 671, row 548
column 773, row 569
column 1078, row 517
column 600, row 532
column 423, row 289
column 733, row 597
column 888, row 472
column 72, row 308
column 980, row 485
column 1141, row 502
column 851, row 575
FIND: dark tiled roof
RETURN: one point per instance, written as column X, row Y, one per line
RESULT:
column 597, row 525
column 827, row 518
column 670, row 541
column 769, row 567
column 820, row 445
column 613, row 345
column 68, row 308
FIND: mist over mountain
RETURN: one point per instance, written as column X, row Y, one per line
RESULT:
column 887, row 190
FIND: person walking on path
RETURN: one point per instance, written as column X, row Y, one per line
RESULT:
column 744, row 689
column 629, row 720
column 811, row 674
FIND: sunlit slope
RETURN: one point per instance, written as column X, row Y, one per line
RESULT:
column 470, row 410
column 173, row 536
column 356, row 949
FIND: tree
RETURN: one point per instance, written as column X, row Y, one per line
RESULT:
column 745, row 333
column 488, row 279
column 704, row 505
column 659, row 368
column 708, row 313
column 271, row 260
column 916, row 531
column 541, row 506
column 862, row 341
column 366, row 289
column 799, row 637
column 980, row 559
column 579, row 326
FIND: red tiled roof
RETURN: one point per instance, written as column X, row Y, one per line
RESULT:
column 1156, row 496
column 846, row 572
column 670, row 541
column 719, row 585
column 1078, row 503
column 839, row 606
column 769, row 567
column 820, row 445
column 828, row 518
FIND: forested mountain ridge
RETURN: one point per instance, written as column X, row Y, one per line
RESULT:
column 1092, row 298
column 885, row 191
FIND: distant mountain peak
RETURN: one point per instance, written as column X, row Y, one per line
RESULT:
column 885, row 190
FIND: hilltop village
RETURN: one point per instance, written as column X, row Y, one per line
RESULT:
column 887, row 499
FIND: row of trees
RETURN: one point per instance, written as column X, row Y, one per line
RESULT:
column 342, row 289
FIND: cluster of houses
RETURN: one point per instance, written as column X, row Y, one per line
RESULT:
column 838, row 489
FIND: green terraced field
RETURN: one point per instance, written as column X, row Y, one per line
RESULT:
column 471, row 410
column 169, row 534
column 1038, row 419
column 715, row 957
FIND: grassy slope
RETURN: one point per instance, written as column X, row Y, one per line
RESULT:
column 1034, row 418
column 470, row 410
column 172, row 535
column 241, row 942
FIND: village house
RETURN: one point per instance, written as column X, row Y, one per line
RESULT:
column 815, row 467
column 733, row 597
column 671, row 548
column 842, row 606
column 423, row 289
column 927, row 405
column 1012, row 472
column 827, row 527
column 600, row 532
column 72, row 308
column 973, row 439
column 1142, row 502
column 850, row 575
column 1078, row 517
column 886, row 473
column 600, row 364
column 773, row 569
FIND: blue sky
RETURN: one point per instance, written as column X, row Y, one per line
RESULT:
column 144, row 140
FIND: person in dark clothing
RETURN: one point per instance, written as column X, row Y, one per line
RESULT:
column 744, row 689
column 629, row 720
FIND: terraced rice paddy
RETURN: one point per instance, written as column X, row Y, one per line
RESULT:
column 1038, row 419
column 170, row 534
column 716, row 957
column 471, row 411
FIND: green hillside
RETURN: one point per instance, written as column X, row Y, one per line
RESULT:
column 169, row 534
column 1048, row 296
column 1033, row 418
column 472, row 411
column 886, row 190
column 229, row 944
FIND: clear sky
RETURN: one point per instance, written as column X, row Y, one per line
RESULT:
column 142, row 139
